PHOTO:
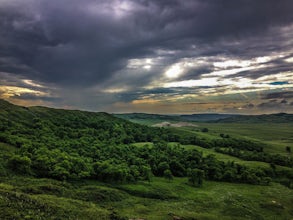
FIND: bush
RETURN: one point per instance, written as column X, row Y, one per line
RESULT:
column 20, row 164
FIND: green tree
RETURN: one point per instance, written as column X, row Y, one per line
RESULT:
column 2, row 169
column 267, row 180
column 177, row 168
column 195, row 177
column 168, row 175
column 205, row 130
column 146, row 173
column 60, row 173
column 20, row 164
column 162, row 167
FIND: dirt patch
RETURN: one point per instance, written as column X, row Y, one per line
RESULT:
column 179, row 124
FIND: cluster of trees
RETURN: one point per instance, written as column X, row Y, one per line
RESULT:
column 127, row 163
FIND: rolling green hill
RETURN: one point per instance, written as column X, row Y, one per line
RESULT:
column 65, row 164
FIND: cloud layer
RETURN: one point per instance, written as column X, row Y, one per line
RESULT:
column 149, row 56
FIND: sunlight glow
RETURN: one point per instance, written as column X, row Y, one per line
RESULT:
column 263, row 59
column 174, row 71
column 32, row 83
column 147, row 67
column 10, row 91
column 191, row 83
column 145, row 63
column 289, row 60
column 145, row 101
column 232, row 63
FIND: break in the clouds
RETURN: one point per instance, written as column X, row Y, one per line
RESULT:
column 147, row 55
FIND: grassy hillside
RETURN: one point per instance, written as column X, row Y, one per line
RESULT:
column 27, row 198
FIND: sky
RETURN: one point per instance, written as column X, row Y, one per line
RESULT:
column 167, row 56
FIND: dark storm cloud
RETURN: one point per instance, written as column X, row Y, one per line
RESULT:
column 83, row 43
column 88, row 44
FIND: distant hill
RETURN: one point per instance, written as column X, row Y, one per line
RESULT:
column 274, row 118
column 144, row 116
column 215, row 118
column 205, row 117
column 187, row 118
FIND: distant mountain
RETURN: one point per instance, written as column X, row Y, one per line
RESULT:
column 273, row 118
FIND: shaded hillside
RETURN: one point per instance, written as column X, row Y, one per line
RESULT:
column 35, row 122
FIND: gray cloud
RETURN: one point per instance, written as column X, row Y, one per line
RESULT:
column 278, row 95
column 82, row 48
